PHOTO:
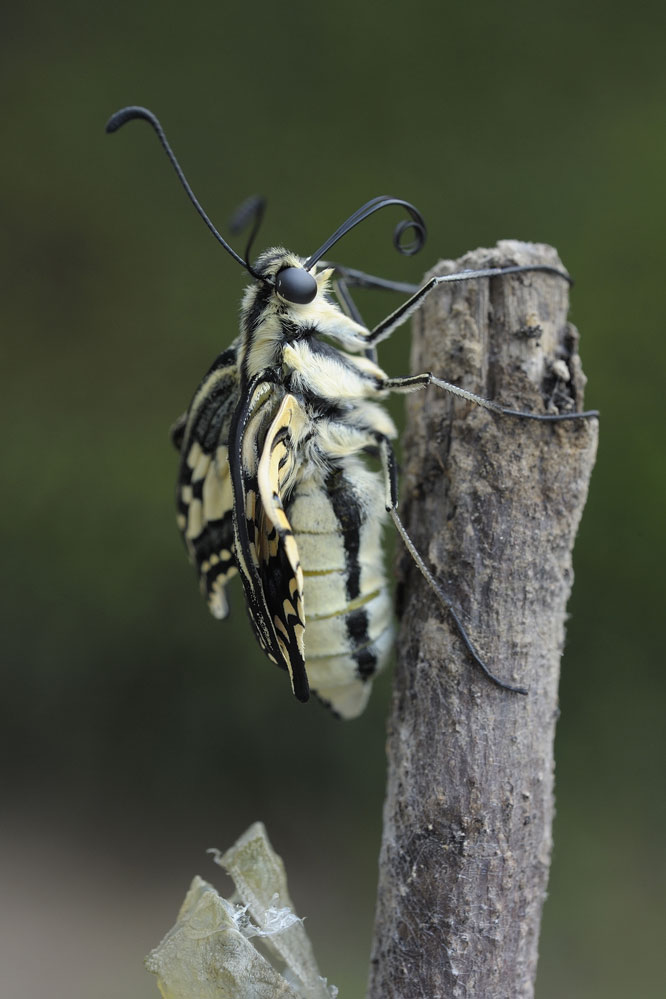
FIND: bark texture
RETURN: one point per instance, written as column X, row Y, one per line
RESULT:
column 493, row 503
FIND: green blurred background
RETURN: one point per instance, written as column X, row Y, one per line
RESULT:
column 136, row 730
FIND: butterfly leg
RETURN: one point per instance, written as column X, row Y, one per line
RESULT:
column 410, row 383
column 404, row 311
column 389, row 467
column 359, row 279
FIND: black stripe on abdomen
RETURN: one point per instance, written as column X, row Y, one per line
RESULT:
column 349, row 514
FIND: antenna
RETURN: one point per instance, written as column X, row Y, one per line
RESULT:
column 118, row 119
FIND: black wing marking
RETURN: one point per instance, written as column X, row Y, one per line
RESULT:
column 204, row 492
column 261, row 461
column 177, row 431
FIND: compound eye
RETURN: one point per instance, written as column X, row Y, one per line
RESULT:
column 296, row 285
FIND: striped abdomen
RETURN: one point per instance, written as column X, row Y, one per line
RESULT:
column 337, row 524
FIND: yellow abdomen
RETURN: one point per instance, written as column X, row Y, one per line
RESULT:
column 337, row 523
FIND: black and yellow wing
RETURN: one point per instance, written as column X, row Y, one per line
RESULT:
column 263, row 463
column 204, row 494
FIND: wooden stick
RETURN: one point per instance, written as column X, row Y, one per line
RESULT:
column 493, row 504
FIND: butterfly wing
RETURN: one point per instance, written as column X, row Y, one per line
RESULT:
column 204, row 490
column 263, row 463
column 280, row 565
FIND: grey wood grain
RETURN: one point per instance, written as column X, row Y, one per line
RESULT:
column 493, row 503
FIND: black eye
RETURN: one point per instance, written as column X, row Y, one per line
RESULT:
column 295, row 285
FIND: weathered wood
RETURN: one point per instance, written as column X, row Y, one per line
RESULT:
column 493, row 503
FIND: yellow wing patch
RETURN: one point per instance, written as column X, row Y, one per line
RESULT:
column 278, row 551
column 266, row 550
